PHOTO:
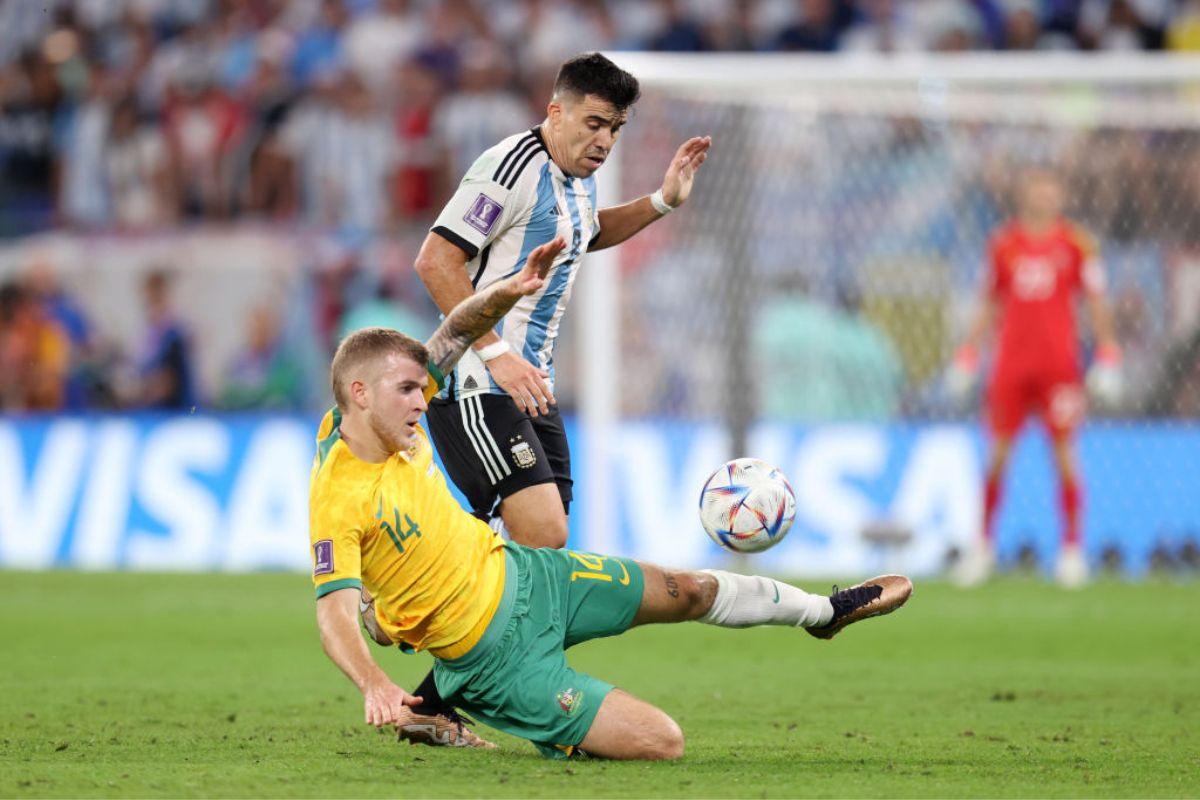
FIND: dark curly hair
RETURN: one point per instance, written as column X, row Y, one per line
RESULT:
column 592, row 73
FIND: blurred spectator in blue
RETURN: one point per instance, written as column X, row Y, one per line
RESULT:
column 319, row 47
column 819, row 24
column 681, row 32
column 166, row 375
column 266, row 374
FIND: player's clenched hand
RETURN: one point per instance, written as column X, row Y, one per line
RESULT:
column 525, row 383
column 677, row 183
column 383, row 702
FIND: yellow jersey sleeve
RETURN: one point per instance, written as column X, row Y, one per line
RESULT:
column 335, row 524
column 336, row 553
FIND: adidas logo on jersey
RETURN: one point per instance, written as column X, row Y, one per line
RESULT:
column 470, row 383
column 555, row 211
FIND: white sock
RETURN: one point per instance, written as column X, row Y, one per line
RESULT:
column 746, row 600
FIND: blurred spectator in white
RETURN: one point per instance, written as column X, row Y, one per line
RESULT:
column 138, row 171
column 680, row 32
column 949, row 26
column 347, row 154
column 34, row 354
column 320, row 47
column 83, row 191
column 266, row 374
column 547, row 33
column 378, row 39
column 202, row 125
column 883, row 26
column 415, row 189
column 482, row 112
column 165, row 368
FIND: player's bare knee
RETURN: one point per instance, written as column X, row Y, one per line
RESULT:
column 549, row 532
column 669, row 742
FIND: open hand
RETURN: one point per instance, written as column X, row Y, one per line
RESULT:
column 677, row 183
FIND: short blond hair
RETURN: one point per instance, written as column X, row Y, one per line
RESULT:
column 368, row 344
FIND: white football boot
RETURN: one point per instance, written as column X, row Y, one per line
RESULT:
column 975, row 567
column 1071, row 572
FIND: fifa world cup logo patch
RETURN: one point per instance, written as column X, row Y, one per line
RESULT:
column 523, row 455
column 569, row 700
column 323, row 557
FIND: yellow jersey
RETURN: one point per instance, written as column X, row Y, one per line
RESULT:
column 436, row 572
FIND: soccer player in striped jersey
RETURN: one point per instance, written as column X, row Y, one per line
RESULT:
column 496, row 423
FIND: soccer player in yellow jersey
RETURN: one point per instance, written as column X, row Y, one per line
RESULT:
column 497, row 616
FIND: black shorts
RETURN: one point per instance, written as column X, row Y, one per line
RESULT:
column 491, row 449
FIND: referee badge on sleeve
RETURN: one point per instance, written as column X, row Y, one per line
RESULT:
column 483, row 214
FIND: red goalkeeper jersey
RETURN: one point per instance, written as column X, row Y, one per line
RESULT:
column 1033, row 281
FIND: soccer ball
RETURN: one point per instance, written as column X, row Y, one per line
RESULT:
column 747, row 505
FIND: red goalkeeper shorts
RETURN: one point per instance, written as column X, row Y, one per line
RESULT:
column 1056, row 395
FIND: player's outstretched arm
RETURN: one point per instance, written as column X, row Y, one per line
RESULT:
column 479, row 313
column 618, row 223
column 337, row 619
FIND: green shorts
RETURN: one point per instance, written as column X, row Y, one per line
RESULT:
column 516, row 679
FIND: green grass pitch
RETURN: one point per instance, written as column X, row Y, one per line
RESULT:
column 124, row 685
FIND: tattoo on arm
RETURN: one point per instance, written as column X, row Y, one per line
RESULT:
column 470, row 319
column 672, row 585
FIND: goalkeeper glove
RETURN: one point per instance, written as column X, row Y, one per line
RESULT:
column 963, row 373
column 1104, row 377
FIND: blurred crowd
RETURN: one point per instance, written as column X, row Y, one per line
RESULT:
column 358, row 117
column 136, row 114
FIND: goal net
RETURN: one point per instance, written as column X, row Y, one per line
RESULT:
column 805, row 304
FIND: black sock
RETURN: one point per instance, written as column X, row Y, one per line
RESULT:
column 431, row 699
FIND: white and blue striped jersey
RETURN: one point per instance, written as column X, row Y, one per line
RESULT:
column 512, row 199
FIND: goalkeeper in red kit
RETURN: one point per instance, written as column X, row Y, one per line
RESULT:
column 1038, row 264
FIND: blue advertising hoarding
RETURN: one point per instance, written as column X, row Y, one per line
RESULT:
column 203, row 492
